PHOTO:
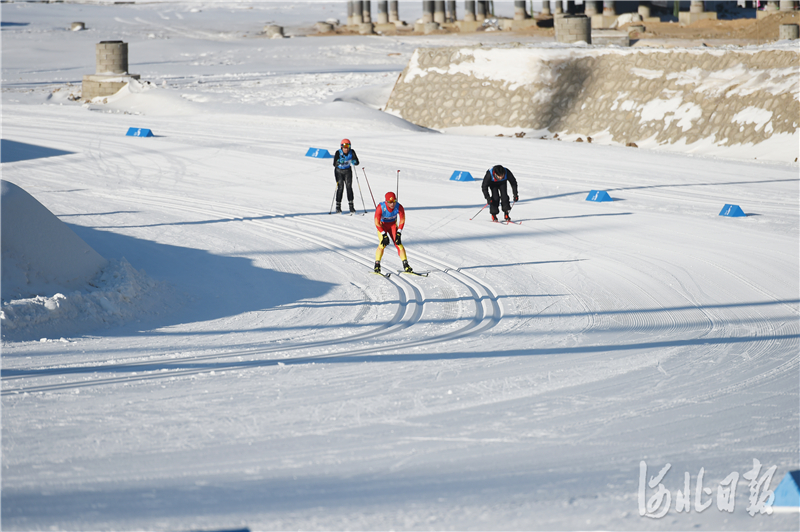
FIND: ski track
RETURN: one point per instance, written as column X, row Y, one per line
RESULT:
column 412, row 301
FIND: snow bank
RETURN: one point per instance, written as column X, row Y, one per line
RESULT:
column 54, row 284
column 40, row 254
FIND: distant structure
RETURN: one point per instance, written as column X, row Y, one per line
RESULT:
column 478, row 14
column 111, row 70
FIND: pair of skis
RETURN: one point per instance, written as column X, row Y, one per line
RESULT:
column 389, row 274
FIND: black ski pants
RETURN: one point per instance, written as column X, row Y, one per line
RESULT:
column 499, row 192
column 344, row 177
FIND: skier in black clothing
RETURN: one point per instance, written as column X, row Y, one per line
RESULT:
column 496, row 179
column 343, row 171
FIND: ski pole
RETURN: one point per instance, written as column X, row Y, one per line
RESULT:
column 369, row 187
column 397, row 187
column 361, row 193
column 480, row 211
column 334, row 197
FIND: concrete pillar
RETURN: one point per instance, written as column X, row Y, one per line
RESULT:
column 787, row 6
column 696, row 6
column 349, row 12
column 394, row 14
column 367, row 12
column 789, row 32
column 520, row 11
column 469, row 10
column 480, row 12
column 451, row 11
column 383, row 12
column 438, row 11
column 546, row 8
column 644, row 10
column 358, row 12
column 591, row 8
column 111, row 57
column 559, row 8
column 573, row 28
column 427, row 11
column 609, row 9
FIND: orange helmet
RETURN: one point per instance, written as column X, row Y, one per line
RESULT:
column 390, row 197
column 345, row 142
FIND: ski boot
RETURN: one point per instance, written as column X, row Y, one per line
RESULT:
column 494, row 217
column 338, row 208
column 406, row 267
column 506, row 216
column 377, row 266
column 352, row 208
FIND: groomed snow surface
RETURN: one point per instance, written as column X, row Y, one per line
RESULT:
column 234, row 363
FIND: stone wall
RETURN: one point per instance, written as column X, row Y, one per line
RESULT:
column 733, row 96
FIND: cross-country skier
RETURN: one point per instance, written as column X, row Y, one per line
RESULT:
column 390, row 217
column 496, row 179
column 342, row 161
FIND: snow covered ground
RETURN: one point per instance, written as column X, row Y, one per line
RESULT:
column 252, row 372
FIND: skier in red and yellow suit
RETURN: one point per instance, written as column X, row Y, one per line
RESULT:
column 390, row 217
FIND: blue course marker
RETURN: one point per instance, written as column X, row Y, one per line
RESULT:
column 461, row 176
column 733, row 211
column 598, row 195
column 319, row 153
column 138, row 132
column 788, row 491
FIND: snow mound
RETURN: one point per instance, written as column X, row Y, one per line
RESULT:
column 40, row 254
column 43, row 259
column 118, row 294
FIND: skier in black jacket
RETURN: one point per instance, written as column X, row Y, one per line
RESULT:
column 342, row 161
column 497, row 179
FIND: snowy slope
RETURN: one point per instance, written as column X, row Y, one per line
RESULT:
column 283, row 386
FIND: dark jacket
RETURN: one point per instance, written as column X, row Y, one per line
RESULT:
column 488, row 181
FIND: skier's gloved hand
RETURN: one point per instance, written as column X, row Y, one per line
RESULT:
column 487, row 199
column 397, row 239
column 516, row 198
column 385, row 240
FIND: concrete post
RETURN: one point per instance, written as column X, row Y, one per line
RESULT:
column 789, row 32
column 573, row 28
column 644, row 10
column 469, row 11
column 383, row 12
column 438, row 11
column 451, row 11
column 349, row 12
column 358, row 12
column 696, row 6
column 427, row 11
column 787, row 6
column 546, row 8
column 367, row 13
column 394, row 14
column 609, row 9
column 111, row 57
column 591, row 8
column 480, row 12
column 520, row 12
column 559, row 8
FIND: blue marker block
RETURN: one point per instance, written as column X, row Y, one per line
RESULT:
column 319, row 153
column 788, row 491
column 598, row 195
column 461, row 176
column 138, row 132
column 732, row 210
